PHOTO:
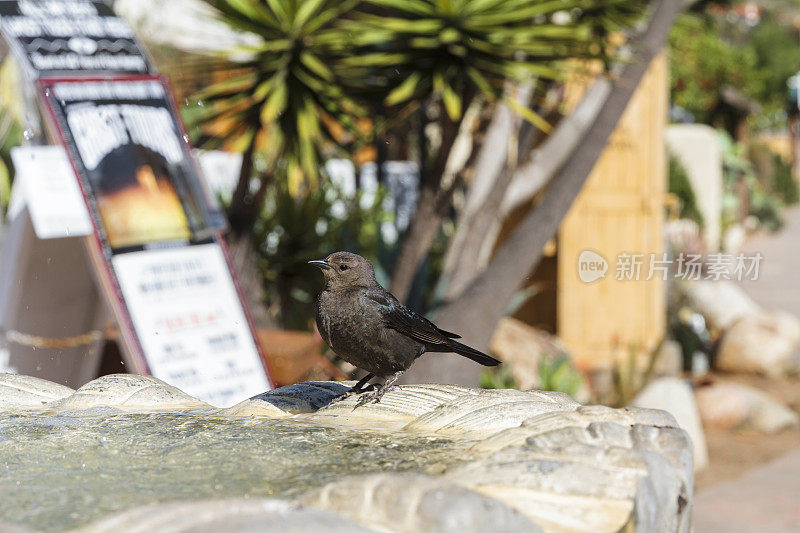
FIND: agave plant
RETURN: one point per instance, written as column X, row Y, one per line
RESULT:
column 441, row 56
column 318, row 63
column 283, row 96
column 453, row 49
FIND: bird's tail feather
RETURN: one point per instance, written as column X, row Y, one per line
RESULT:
column 472, row 353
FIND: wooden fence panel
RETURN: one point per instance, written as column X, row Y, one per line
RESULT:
column 620, row 210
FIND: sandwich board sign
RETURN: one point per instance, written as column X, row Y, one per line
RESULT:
column 60, row 37
column 155, row 245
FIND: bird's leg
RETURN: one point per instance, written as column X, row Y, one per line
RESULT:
column 378, row 394
column 355, row 389
column 359, row 387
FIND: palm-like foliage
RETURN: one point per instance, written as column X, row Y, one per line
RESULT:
column 319, row 62
column 284, row 95
column 451, row 49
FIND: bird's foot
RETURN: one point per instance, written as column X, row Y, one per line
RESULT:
column 372, row 397
column 352, row 392
column 342, row 396
column 378, row 394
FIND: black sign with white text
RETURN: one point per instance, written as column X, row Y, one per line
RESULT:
column 133, row 160
column 62, row 37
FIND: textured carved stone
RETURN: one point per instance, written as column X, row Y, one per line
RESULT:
column 413, row 502
column 240, row 515
column 523, row 460
column 128, row 392
column 28, row 392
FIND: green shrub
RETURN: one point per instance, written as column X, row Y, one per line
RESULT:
column 680, row 186
column 293, row 230
column 559, row 375
column 783, row 183
column 764, row 202
column 768, row 209
column 498, row 378
column 555, row 374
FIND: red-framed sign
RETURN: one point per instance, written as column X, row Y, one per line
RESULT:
column 66, row 37
column 156, row 243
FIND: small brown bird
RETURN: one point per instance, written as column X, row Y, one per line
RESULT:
column 369, row 328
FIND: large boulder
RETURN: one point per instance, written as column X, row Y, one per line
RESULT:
column 523, row 347
column 733, row 406
column 683, row 235
column 764, row 343
column 669, row 359
column 721, row 302
column 677, row 398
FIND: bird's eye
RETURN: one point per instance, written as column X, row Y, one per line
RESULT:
column 343, row 267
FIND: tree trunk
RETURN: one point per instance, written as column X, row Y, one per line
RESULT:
column 242, row 214
column 240, row 208
column 476, row 312
column 243, row 258
column 430, row 210
column 495, row 196
column 495, row 165
column 416, row 243
column 551, row 155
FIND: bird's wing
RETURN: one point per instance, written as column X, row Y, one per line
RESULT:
column 406, row 321
column 447, row 333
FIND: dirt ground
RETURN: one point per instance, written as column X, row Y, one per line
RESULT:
column 732, row 453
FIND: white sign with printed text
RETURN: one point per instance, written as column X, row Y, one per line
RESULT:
column 51, row 192
column 190, row 322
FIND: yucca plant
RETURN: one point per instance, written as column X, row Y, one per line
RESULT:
column 317, row 64
column 283, row 99
column 451, row 50
column 440, row 56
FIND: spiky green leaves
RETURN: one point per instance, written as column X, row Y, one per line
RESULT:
column 449, row 49
column 287, row 84
column 318, row 63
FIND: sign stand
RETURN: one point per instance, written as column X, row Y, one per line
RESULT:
column 48, row 289
column 155, row 248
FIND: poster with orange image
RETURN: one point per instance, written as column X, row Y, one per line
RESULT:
column 133, row 161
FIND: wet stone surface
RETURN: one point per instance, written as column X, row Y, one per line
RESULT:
column 128, row 453
column 63, row 471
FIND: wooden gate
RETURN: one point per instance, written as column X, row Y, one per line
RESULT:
column 619, row 211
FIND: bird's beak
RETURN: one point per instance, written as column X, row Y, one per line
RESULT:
column 321, row 263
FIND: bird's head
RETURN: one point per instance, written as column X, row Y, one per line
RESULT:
column 343, row 270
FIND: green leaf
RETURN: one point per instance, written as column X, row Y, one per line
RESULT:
column 316, row 66
column 449, row 35
column 245, row 7
column 379, row 59
column 405, row 90
column 5, row 185
column 529, row 115
column 427, row 26
column 452, row 102
column 263, row 89
column 275, row 104
column 410, row 6
column 304, row 12
column 480, row 82
column 279, row 8
column 251, row 10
